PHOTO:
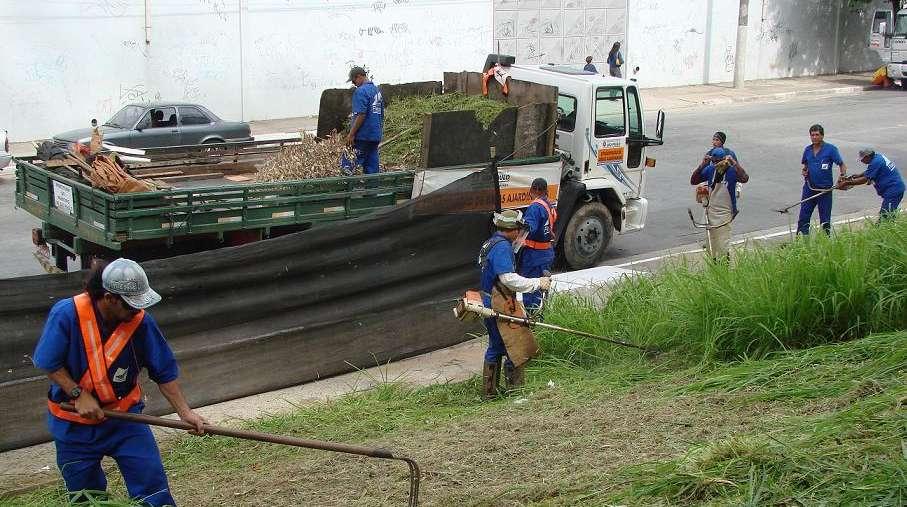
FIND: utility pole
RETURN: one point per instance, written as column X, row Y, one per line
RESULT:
column 740, row 57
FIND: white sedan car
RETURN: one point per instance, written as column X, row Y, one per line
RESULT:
column 4, row 149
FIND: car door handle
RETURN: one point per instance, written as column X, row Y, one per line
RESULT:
column 175, row 131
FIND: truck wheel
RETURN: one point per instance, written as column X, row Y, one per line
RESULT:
column 587, row 235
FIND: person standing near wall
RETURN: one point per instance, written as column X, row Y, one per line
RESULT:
column 589, row 67
column 367, row 127
column 615, row 60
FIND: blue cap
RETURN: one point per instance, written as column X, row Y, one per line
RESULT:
column 719, row 153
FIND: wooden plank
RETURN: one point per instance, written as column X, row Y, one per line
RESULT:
column 143, row 176
column 188, row 177
column 237, row 177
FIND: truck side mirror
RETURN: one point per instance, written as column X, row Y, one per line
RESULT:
column 660, row 125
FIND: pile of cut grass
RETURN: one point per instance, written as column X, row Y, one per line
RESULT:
column 404, row 117
column 811, row 292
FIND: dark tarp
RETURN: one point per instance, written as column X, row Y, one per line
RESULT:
column 267, row 315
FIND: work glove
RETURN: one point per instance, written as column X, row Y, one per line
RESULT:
column 545, row 282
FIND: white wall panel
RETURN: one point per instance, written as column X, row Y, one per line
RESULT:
column 65, row 62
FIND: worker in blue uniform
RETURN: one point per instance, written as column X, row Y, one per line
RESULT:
column 719, row 139
column 496, row 259
column 537, row 253
column 93, row 348
column 818, row 159
column 367, row 127
column 884, row 175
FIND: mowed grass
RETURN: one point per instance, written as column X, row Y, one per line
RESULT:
column 743, row 406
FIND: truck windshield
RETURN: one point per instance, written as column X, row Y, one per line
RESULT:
column 900, row 26
column 126, row 117
column 609, row 112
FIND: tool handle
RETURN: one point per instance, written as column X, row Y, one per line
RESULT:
column 245, row 434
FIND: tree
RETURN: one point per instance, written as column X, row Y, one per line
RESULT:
column 896, row 5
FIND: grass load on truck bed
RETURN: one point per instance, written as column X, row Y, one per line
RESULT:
column 402, row 145
column 403, row 122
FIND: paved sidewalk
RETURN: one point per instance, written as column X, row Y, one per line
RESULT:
column 678, row 97
column 763, row 90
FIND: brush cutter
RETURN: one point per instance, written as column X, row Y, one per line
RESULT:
column 471, row 307
column 371, row 452
column 840, row 185
column 794, row 205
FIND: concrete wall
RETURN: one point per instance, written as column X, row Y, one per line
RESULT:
column 560, row 31
column 67, row 62
column 681, row 42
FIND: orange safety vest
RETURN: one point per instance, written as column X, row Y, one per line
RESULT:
column 489, row 75
column 100, row 356
column 552, row 216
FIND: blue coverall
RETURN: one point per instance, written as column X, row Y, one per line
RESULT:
column 533, row 262
column 80, row 447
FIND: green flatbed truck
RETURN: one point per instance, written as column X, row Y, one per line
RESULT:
column 193, row 215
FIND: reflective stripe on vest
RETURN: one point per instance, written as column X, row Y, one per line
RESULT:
column 100, row 356
column 552, row 216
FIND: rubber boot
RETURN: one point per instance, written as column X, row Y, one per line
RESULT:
column 491, row 374
column 513, row 376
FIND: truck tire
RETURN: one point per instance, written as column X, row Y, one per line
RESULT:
column 587, row 235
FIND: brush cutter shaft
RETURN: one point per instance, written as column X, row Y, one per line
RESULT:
column 274, row 439
column 484, row 312
column 820, row 194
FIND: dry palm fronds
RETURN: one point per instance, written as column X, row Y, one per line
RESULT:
column 107, row 174
column 308, row 159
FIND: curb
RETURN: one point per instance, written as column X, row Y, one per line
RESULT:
column 814, row 93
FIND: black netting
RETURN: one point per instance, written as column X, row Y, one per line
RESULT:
column 266, row 315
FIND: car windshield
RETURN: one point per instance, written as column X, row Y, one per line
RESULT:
column 900, row 26
column 126, row 117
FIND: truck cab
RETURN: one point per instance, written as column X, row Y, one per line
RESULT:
column 601, row 133
column 897, row 68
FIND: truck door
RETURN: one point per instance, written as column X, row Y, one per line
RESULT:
column 636, row 139
column 610, row 136
column 880, row 34
column 566, row 123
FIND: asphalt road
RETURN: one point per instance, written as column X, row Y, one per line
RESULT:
column 768, row 138
column 769, row 141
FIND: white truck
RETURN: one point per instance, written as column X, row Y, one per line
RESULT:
column 897, row 68
column 888, row 37
column 600, row 185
